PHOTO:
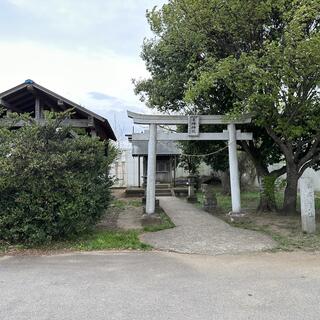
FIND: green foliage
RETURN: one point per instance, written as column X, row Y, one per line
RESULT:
column 257, row 56
column 276, row 77
column 267, row 186
column 191, row 37
column 52, row 186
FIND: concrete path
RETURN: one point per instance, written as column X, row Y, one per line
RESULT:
column 199, row 232
column 160, row 286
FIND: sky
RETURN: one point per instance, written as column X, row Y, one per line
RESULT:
column 85, row 50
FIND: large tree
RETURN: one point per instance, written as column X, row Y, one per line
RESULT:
column 190, row 37
column 277, row 81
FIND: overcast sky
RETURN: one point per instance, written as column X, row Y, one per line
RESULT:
column 85, row 50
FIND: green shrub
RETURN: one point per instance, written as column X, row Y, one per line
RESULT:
column 52, row 186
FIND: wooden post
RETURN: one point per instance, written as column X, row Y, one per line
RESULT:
column 170, row 170
column 139, row 173
column 37, row 110
column 174, row 171
column 93, row 132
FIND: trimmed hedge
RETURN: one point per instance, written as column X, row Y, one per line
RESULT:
column 52, row 186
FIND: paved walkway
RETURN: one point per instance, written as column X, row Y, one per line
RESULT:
column 199, row 232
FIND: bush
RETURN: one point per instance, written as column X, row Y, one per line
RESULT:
column 52, row 186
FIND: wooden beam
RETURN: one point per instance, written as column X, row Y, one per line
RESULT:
column 22, row 102
column 91, row 121
column 177, row 119
column 37, row 109
column 17, row 97
column 61, row 104
column 163, row 136
column 30, row 88
column 8, row 105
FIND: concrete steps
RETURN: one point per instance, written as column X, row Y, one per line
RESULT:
column 163, row 193
column 163, row 190
column 160, row 186
column 134, row 192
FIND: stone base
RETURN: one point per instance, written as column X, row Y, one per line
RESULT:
column 192, row 199
column 308, row 224
column 210, row 209
column 237, row 216
column 156, row 204
column 150, row 219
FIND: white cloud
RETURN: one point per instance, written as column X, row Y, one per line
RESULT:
column 72, row 74
column 69, row 46
column 80, row 14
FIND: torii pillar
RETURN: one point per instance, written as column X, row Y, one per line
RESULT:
column 234, row 169
column 151, row 173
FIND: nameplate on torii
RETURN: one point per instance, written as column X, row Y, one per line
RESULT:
column 193, row 126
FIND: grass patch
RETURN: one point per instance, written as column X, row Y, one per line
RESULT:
column 96, row 240
column 285, row 230
column 249, row 199
column 289, row 238
column 124, row 203
column 134, row 203
column 166, row 223
column 118, row 203
column 102, row 240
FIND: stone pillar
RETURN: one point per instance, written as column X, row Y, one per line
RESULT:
column 307, row 205
column 234, row 170
column 191, row 192
column 209, row 198
column 151, row 179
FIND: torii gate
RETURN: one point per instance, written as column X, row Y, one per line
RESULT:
column 193, row 121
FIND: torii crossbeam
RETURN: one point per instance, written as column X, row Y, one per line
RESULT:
column 193, row 121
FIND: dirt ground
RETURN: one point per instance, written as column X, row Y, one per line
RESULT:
column 123, row 213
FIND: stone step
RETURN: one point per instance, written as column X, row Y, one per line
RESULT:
column 136, row 192
column 163, row 186
column 164, row 195
column 163, row 192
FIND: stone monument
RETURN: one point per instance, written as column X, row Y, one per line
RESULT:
column 308, row 218
column 191, row 192
column 209, row 198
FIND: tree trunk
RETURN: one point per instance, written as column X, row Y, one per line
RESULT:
column 225, row 183
column 267, row 193
column 290, row 194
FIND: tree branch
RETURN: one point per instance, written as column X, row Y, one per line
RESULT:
column 281, row 144
column 279, row 172
column 311, row 152
column 307, row 165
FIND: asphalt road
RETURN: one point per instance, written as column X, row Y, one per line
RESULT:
column 159, row 285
